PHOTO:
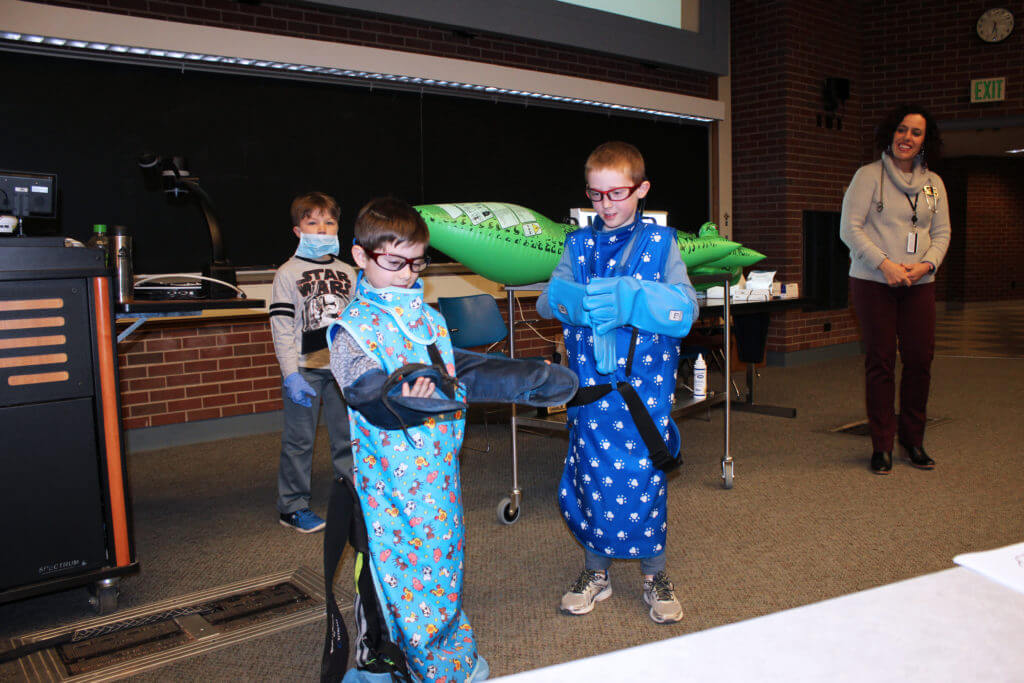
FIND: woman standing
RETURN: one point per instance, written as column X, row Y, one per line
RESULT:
column 896, row 223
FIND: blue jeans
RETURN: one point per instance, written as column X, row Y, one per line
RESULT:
column 299, row 435
column 648, row 565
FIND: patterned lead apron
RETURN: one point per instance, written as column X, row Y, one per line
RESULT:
column 410, row 493
column 611, row 495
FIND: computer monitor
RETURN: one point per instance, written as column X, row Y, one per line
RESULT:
column 25, row 195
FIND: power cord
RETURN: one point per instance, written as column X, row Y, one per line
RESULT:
column 190, row 276
column 526, row 322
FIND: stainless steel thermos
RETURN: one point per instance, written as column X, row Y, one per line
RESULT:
column 121, row 258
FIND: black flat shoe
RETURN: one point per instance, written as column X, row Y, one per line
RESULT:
column 918, row 458
column 881, row 462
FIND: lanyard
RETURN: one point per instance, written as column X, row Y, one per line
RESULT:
column 880, row 204
column 913, row 206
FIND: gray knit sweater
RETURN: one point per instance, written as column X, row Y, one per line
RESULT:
column 874, row 235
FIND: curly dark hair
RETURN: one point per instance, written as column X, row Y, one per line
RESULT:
column 932, row 146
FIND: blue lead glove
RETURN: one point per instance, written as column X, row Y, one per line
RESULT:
column 604, row 353
column 298, row 389
column 506, row 380
column 378, row 396
column 566, row 299
column 650, row 306
column 609, row 300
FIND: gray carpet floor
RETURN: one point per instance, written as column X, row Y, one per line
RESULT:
column 805, row 521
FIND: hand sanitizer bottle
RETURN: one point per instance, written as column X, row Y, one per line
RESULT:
column 700, row 378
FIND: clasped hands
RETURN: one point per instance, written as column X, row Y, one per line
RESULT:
column 903, row 274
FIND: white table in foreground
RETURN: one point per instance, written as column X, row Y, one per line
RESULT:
column 954, row 625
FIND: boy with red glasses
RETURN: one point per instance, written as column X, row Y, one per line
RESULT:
column 625, row 301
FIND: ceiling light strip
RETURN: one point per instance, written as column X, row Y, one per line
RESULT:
column 401, row 81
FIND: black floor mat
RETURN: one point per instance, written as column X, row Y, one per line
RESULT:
column 144, row 638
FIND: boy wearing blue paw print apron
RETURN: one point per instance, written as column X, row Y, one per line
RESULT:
column 625, row 301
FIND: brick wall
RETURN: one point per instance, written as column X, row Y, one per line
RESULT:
column 183, row 372
column 787, row 159
column 535, row 338
column 929, row 52
column 993, row 230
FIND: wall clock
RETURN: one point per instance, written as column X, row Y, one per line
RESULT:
column 995, row 25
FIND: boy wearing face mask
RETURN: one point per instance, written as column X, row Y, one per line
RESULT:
column 310, row 290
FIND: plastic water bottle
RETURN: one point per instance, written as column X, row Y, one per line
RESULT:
column 700, row 378
column 100, row 240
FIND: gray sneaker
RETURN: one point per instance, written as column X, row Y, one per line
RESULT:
column 591, row 586
column 659, row 593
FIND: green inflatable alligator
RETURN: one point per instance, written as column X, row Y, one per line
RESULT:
column 513, row 245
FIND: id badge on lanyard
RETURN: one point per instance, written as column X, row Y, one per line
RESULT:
column 912, row 235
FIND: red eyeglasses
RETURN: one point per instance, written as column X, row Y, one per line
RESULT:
column 616, row 194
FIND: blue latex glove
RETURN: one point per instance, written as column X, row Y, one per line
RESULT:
column 298, row 389
column 646, row 305
column 566, row 300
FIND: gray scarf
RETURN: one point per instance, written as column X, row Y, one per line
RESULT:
column 917, row 181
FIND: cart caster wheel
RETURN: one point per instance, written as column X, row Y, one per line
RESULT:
column 505, row 516
column 103, row 596
column 727, row 475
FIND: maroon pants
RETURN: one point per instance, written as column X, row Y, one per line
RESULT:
column 890, row 316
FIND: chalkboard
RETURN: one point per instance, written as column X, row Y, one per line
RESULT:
column 255, row 143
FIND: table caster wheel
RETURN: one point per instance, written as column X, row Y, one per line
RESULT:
column 727, row 475
column 103, row 596
column 505, row 514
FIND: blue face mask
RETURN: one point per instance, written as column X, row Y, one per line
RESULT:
column 315, row 246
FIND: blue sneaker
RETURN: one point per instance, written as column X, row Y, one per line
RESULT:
column 305, row 521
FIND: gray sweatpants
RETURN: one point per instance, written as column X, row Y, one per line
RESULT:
column 299, row 435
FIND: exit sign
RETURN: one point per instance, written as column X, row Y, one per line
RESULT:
column 988, row 90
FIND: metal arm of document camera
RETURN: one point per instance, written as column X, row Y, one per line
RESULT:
column 177, row 183
column 191, row 186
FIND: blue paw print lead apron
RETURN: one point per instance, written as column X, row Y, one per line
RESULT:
column 410, row 493
column 611, row 495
